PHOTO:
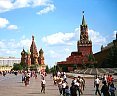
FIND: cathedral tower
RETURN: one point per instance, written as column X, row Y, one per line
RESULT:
column 41, row 57
column 23, row 56
column 34, row 53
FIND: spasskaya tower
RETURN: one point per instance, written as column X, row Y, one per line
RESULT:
column 84, row 45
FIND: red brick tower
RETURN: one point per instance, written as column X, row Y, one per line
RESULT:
column 28, row 59
column 34, row 53
column 84, row 45
column 23, row 57
column 41, row 57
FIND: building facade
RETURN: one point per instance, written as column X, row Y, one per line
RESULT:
column 84, row 49
column 7, row 63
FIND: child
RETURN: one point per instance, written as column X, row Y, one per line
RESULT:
column 67, row 91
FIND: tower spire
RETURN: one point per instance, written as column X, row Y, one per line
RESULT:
column 83, row 19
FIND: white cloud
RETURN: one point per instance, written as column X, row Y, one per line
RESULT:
column 114, row 34
column 3, row 22
column 58, row 38
column 25, row 43
column 12, row 47
column 71, row 38
column 5, row 5
column 67, row 50
column 49, row 8
column 96, row 37
column 8, row 5
column 12, row 27
column 2, row 44
column 53, row 54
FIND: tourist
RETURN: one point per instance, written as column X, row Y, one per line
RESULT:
column 96, row 84
column 109, row 79
column 63, row 87
column 78, row 87
column 105, row 89
column 73, row 89
column 83, row 83
column 74, row 80
column 60, row 85
column 4, row 73
column 23, row 77
column 104, row 78
column 43, row 82
column 67, row 91
column 112, row 89
column 55, row 80
column 26, row 79
column 65, row 78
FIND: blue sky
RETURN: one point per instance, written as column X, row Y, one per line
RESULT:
column 55, row 25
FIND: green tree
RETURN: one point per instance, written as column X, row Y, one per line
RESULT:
column 17, row 67
column 47, row 69
column 53, row 69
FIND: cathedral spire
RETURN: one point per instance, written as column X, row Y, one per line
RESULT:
column 83, row 19
column 32, row 38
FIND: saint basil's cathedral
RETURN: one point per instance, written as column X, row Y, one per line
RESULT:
column 31, row 58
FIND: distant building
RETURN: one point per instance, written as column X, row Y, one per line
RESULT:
column 9, row 61
column 6, row 63
column 32, row 58
column 84, row 46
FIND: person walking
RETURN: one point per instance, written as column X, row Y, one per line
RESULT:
column 112, row 89
column 105, row 89
column 60, row 86
column 63, row 87
column 96, row 84
column 73, row 89
column 43, row 82
column 67, row 91
column 78, row 87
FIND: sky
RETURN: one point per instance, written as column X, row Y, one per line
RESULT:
column 55, row 25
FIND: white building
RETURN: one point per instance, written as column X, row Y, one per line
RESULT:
column 9, row 61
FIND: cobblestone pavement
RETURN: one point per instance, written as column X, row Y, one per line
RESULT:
column 11, row 85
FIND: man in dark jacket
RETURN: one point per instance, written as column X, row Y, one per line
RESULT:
column 73, row 90
column 105, row 89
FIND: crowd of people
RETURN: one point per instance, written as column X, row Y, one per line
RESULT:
column 102, row 84
column 108, row 88
column 76, row 88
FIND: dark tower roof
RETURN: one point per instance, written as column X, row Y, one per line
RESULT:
column 83, row 19
column 32, row 38
column 41, row 51
column 23, row 52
